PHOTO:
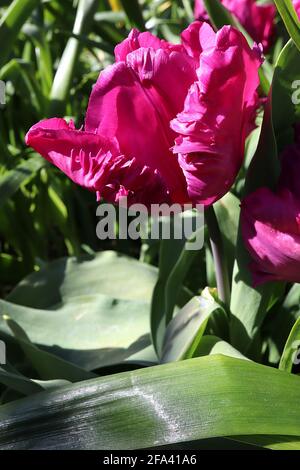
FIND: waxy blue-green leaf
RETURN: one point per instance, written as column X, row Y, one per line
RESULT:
column 47, row 365
column 91, row 331
column 107, row 273
column 92, row 311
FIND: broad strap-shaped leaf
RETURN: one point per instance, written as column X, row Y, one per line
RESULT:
column 185, row 331
column 291, row 352
column 212, row 345
column 170, row 251
column 18, row 382
column 284, row 316
column 43, row 53
column 92, row 311
column 175, row 259
column 218, row 396
column 271, row 442
column 286, row 94
column 107, row 273
column 48, row 366
column 13, row 380
column 89, row 331
column 227, row 212
column 179, row 272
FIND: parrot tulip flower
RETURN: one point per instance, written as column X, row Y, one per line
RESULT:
column 271, row 225
column 257, row 19
column 165, row 123
column 296, row 4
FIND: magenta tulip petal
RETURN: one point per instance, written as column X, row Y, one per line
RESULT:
column 289, row 178
column 80, row 155
column 137, row 40
column 153, row 76
column 257, row 19
column 271, row 231
column 135, row 101
column 296, row 4
column 127, row 146
column 94, row 162
column 197, row 38
column 271, row 223
column 218, row 115
column 200, row 12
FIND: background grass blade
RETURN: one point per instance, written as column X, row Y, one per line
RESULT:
column 290, row 19
column 11, row 181
column 134, row 13
column 65, row 71
column 219, row 17
column 11, row 23
column 140, row 409
column 218, row 14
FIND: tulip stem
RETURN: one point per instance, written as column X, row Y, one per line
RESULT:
column 217, row 248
